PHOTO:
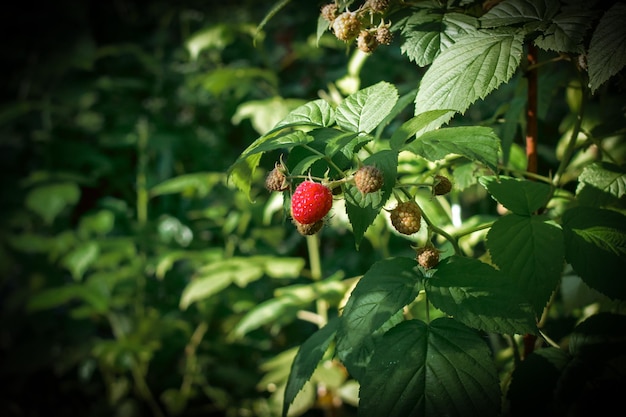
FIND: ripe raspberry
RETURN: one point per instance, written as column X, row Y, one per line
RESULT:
column 276, row 180
column 377, row 6
column 442, row 185
column 309, row 229
column 366, row 41
column 310, row 202
column 368, row 179
column 427, row 257
column 406, row 217
column 329, row 11
column 346, row 26
column 383, row 35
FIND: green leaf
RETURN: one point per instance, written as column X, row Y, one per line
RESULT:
column 467, row 71
column 48, row 201
column 215, row 37
column 567, row 30
column 601, row 334
column 306, row 360
column 364, row 110
column 479, row 296
column 607, row 56
column 441, row 368
column 430, row 31
column 282, row 309
column 512, row 12
column 241, row 80
column 96, row 224
column 414, row 125
column 265, row 114
column 317, row 113
column 600, row 184
column 362, row 209
column 476, row 143
column 530, row 251
column 521, row 196
column 385, row 289
column 79, row 259
column 595, row 246
column 198, row 184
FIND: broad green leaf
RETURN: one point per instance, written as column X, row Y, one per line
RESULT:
column 334, row 140
column 79, row 259
column 364, row 110
column 436, row 369
column 307, row 359
column 479, row 296
column 60, row 296
column 607, row 55
column 414, row 125
column 265, row 114
column 601, row 183
column 362, row 209
column 476, row 143
column 529, row 250
column 595, row 246
column 280, row 309
column 96, row 224
column 567, row 30
column 215, row 37
column 197, row 184
column 467, row 71
column 403, row 102
column 521, row 196
column 241, row 80
column 385, row 289
column 430, row 31
column 48, row 201
column 317, row 113
column 602, row 333
column 511, row 12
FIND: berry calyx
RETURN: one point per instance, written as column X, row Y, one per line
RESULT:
column 368, row 179
column 310, row 202
column 309, row 229
column 346, row 26
column 427, row 257
column 406, row 217
column 442, row 185
column 276, row 179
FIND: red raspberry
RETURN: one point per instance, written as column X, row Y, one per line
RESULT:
column 427, row 257
column 406, row 217
column 368, row 179
column 310, row 202
column 442, row 185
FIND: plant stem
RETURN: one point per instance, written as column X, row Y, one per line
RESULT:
column 446, row 235
column 192, row 360
column 313, row 248
column 142, row 162
column 473, row 230
column 531, row 110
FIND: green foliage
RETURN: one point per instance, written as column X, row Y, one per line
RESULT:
column 147, row 271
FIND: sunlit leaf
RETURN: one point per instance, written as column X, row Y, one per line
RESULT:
column 441, row 368
column 529, row 250
column 595, row 245
column 365, row 109
column 414, row 125
column 479, row 296
column 600, row 184
column 521, row 196
column 79, row 259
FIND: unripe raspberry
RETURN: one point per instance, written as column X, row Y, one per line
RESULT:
column 383, row 35
column 368, row 179
column 442, row 185
column 309, row 229
column 276, row 180
column 377, row 6
column 346, row 26
column 366, row 41
column 406, row 217
column 427, row 257
column 329, row 11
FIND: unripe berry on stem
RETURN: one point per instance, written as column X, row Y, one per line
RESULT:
column 442, row 185
column 346, row 26
column 406, row 217
column 427, row 257
column 368, row 179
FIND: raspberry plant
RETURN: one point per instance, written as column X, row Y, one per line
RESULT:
column 557, row 223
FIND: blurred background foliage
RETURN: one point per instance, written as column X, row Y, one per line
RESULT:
column 118, row 121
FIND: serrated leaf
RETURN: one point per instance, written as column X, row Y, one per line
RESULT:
column 467, row 71
column 567, row 31
column 607, row 56
column 309, row 355
column 365, row 109
column 317, row 113
column 479, row 296
column 196, row 184
column 385, row 289
column 414, row 125
column 595, row 246
column 436, row 369
column 430, row 31
column 511, row 12
column 530, row 251
column 599, row 333
column 476, row 143
column 601, row 183
column 362, row 209
column 521, row 196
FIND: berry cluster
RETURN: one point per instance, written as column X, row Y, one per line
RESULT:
column 350, row 25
